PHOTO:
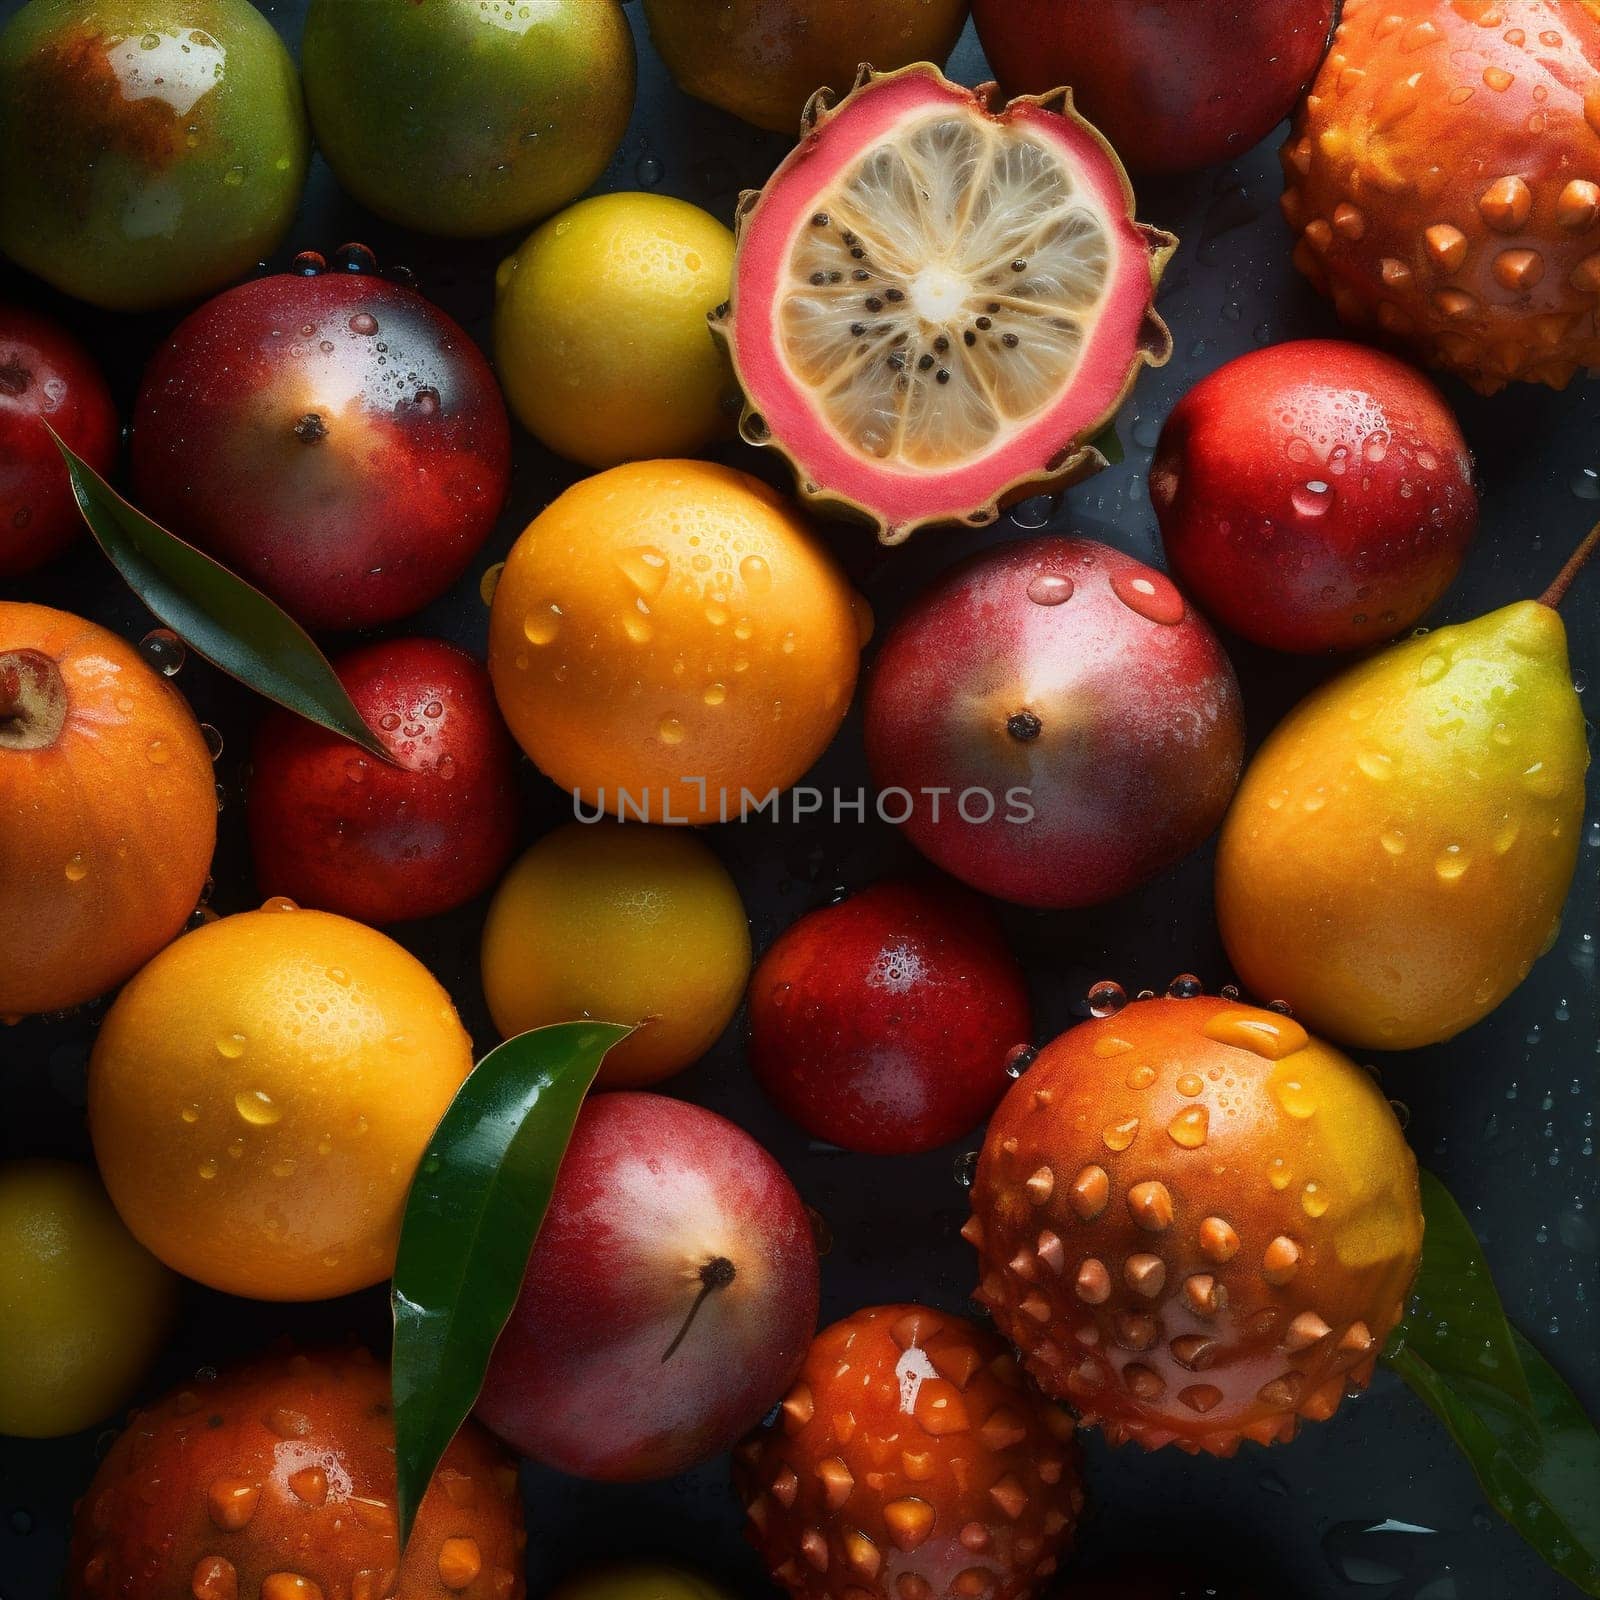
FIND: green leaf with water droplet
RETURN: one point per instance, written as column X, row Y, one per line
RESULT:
column 1522, row 1430
column 475, row 1208
column 215, row 612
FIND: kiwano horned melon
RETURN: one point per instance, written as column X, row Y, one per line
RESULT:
column 1443, row 177
column 939, row 299
column 1196, row 1222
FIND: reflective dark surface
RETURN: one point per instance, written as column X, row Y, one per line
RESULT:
column 1375, row 1505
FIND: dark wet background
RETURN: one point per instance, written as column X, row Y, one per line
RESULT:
column 1375, row 1505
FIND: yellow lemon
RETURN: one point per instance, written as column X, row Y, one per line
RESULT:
column 622, row 924
column 83, row 1306
column 600, row 329
column 260, row 1095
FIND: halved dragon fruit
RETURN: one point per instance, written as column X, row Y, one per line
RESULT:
column 938, row 301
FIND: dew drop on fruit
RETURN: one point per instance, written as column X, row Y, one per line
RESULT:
column 257, row 1107
column 1312, row 499
column 670, row 731
column 1019, row 1059
column 1035, row 512
column 966, row 1168
column 1185, row 987
column 231, row 1045
column 364, row 323
column 213, row 739
column 77, row 868
column 308, row 264
column 1050, row 589
column 354, row 258
column 163, row 650
column 1149, row 593
column 757, row 575
column 542, row 624
column 1314, row 1200
column 1295, row 1098
column 1107, row 998
column 279, row 902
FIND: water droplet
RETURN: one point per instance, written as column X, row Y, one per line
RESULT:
column 1586, row 484
column 364, row 323
column 231, row 1045
column 1150, row 593
column 257, row 1107
column 77, row 868
column 645, row 568
column 190, row 1114
column 1035, row 512
column 715, row 694
column 1185, row 987
column 757, row 575
column 1189, row 1083
column 966, row 1168
column 1050, row 589
column 1119, row 1135
column 1294, row 1097
column 1190, row 1127
column 1434, row 667
column 208, row 1170
column 1377, row 766
column 542, row 624
column 670, row 731
column 1312, row 499
column 1393, row 843
column 1451, row 863
column 1019, row 1059
column 279, row 902
column 489, row 582
column 1314, row 1200
column 1278, row 1173
column 1107, row 998
column 1142, row 1076
column 163, row 650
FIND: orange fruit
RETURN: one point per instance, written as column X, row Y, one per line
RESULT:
column 669, row 635
column 260, row 1095
column 632, row 925
column 108, row 810
column 276, row 1481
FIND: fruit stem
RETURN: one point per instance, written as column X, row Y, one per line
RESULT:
column 311, row 428
column 1024, row 726
column 33, row 700
column 1557, row 592
column 716, row 1274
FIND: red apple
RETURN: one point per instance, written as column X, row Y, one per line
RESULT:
column 335, row 828
column 334, row 438
column 46, row 376
column 669, row 1299
column 1173, row 84
column 1057, row 724
column 883, row 1023
column 1315, row 495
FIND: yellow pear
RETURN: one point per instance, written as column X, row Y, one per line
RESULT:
column 1398, row 853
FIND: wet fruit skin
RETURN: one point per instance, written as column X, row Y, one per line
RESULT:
column 1401, row 846
column 83, row 1306
column 1315, row 495
column 600, row 330
column 466, row 119
column 46, row 377
column 1197, row 1223
column 669, row 618
column 675, row 1246
column 277, row 1479
column 152, row 152
column 882, row 1024
column 1174, row 86
column 337, row 829
column 334, row 438
column 1061, row 677
column 1442, row 180
column 260, row 1095
column 108, row 810
column 910, row 1461
column 763, row 59
column 624, row 924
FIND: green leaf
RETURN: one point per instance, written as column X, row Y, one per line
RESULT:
column 233, row 625
column 1109, row 444
column 1535, row 1453
column 475, row 1208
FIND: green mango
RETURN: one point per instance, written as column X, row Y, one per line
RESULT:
column 1399, row 851
column 152, row 150
column 468, row 117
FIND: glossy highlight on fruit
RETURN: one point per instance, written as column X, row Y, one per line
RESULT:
column 331, row 436
column 1443, row 183
column 83, row 1306
column 925, row 346
column 600, row 330
column 668, row 1301
column 623, row 924
column 152, row 152
column 1402, row 844
column 108, row 810
column 1173, row 85
column 277, row 1479
column 336, row 829
column 1315, row 495
column 1080, row 716
column 884, row 1023
column 764, row 59
column 260, row 1095
column 468, row 119
column 1197, row 1222
column 669, row 636
column 47, row 380
column 910, row 1459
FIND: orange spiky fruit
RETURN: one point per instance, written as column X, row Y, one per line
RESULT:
column 1443, row 178
column 277, row 1480
column 1196, row 1222
column 910, row 1461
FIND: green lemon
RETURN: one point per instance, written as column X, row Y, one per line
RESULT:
column 153, row 150
column 600, row 331
column 468, row 117
column 83, row 1306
